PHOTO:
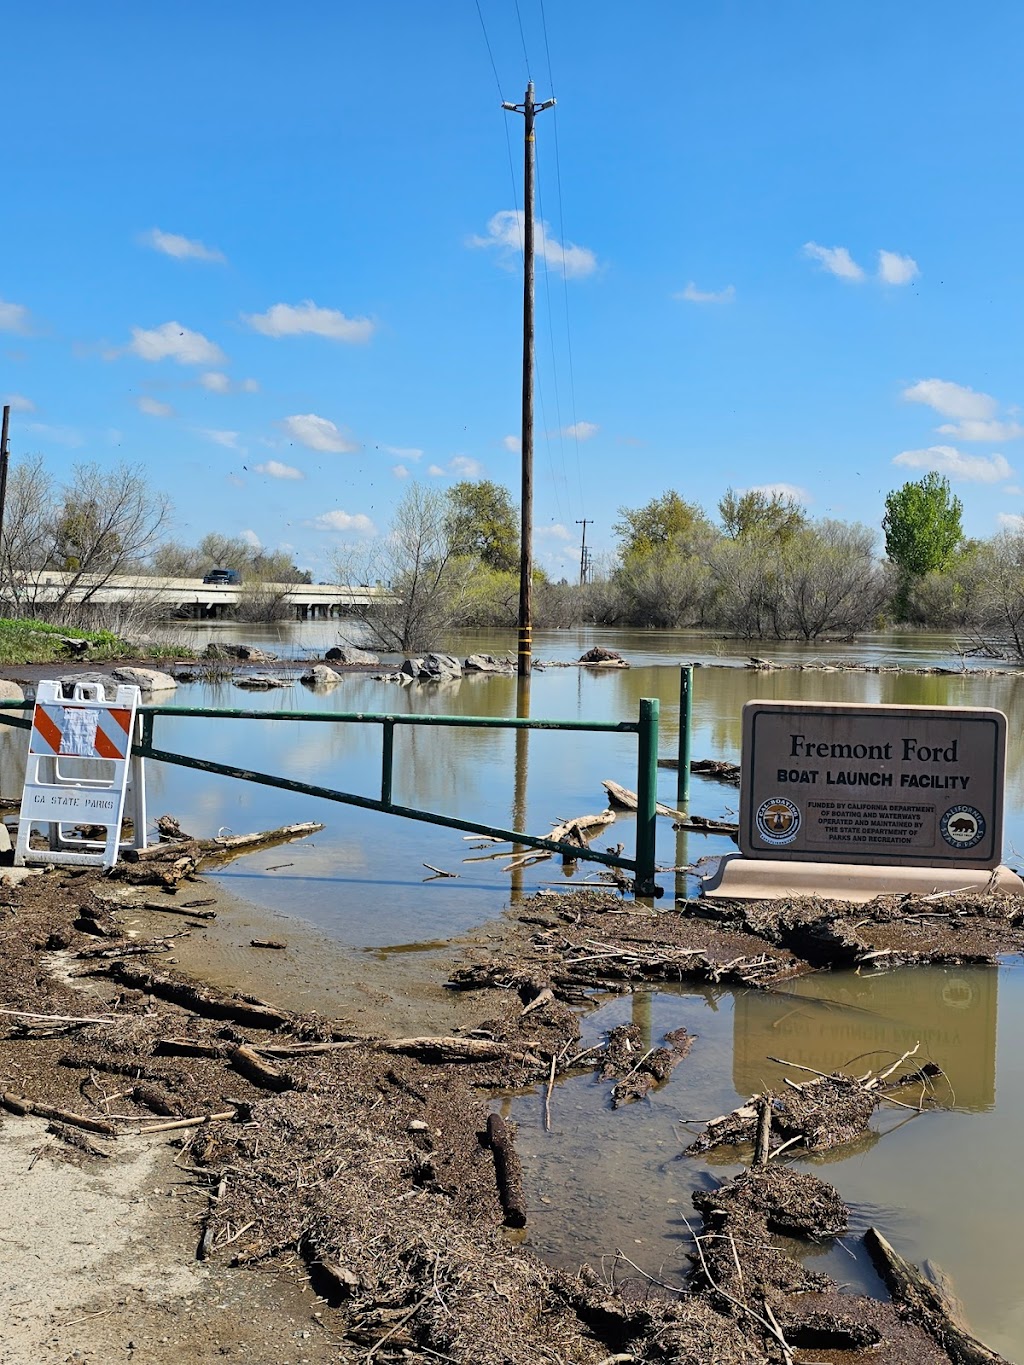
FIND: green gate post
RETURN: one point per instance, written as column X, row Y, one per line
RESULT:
column 646, row 797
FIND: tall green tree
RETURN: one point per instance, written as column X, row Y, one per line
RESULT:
column 482, row 520
column 669, row 519
column 922, row 525
column 764, row 512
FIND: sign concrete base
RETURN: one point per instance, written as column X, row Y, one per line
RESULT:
column 760, row 879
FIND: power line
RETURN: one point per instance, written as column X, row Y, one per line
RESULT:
column 522, row 35
column 554, row 370
column 501, row 100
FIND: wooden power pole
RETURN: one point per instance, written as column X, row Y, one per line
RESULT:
column 585, row 522
column 525, row 651
column 4, row 459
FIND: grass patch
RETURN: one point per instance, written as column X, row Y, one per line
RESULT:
column 41, row 642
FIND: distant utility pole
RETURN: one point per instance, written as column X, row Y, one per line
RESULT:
column 587, row 521
column 4, row 458
column 525, row 652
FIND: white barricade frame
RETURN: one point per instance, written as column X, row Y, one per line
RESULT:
column 80, row 771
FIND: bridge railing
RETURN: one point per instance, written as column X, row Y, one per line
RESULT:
column 645, row 727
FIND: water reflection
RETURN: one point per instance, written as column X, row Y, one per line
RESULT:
column 938, row 1183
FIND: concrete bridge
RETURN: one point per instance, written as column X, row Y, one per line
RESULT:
column 201, row 601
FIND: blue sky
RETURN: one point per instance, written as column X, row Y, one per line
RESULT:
column 270, row 254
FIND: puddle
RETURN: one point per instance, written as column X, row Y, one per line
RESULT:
column 942, row 1185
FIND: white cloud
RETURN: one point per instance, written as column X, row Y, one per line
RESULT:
column 338, row 520
column 249, row 386
column 404, row 452
column 555, row 532
column 435, row 471
column 228, row 439
column 896, row 269
column 974, row 429
column 171, row 341
column 152, row 407
column 14, row 317
column 691, row 294
column 505, row 231
column 957, row 465
column 512, row 443
column 399, row 471
column 17, row 402
column 181, row 248
column 318, row 433
column 251, row 538
column 582, row 431
column 215, row 381
column 466, row 466
column 783, row 490
column 952, row 400
column 62, row 436
column 835, row 259
column 306, row 319
column 274, row 469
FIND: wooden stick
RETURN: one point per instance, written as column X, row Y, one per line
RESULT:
column 547, row 1097
column 61, row 1018
column 17, row 1104
column 186, row 1123
column 762, row 1141
column 507, row 1170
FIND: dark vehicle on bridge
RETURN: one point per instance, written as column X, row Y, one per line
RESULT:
column 225, row 577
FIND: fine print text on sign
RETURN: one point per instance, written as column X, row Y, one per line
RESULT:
column 854, row 783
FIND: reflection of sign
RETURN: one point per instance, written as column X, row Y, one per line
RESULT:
column 848, row 783
column 851, row 1023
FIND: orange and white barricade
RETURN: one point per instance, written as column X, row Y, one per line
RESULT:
column 80, row 772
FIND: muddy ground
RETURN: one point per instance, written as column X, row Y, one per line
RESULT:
column 344, row 1195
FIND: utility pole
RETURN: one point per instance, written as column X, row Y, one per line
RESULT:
column 4, row 458
column 587, row 521
column 525, row 651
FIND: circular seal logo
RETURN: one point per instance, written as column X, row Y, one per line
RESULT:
column 777, row 820
column 962, row 827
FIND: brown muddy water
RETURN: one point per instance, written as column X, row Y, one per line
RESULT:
column 943, row 1185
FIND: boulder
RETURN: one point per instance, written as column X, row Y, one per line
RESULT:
column 146, row 679
column 484, row 663
column 105, row 680
column 348, row 654
column 246, row 654
column 10, row 691
column 320, row 677
column 411, row 668
column 440, row 666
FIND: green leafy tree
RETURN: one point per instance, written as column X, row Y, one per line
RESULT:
column 923, row 533
column 922, row 526
column 664, row 520
column 482, row 520
column 764, row 512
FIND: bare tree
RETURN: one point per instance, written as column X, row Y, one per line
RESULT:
column 416, row 561
column 830, row 581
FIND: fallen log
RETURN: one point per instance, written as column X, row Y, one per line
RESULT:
column 588, row 826
column 249, row 1064
column 162, row 908
column 701, row 824
column 440, row 1049
column 154, row 1098
column 507, row 1171
column 162, row 853
column 233, row 843
column 716, row 768
column 239, row 1009
column 627, row 800
column 929, row 1304
column 24, row 1108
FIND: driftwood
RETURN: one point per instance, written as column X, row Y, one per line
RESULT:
column 240, row 1009
column 627, row 800
column 440, row 1049
column 267, row 943
column 929, row 1304
column 175, row 1124
column 221, row 847
column 169, row 908
column 701, row 824
column 154, row 1098
column 586, row 827
column 507, row 1170
column 249, row 1064
column 74, row 1138
column 716, row 768
column 655, row 1066
column 18, row 1104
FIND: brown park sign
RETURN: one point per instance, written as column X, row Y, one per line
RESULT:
column 848, row 783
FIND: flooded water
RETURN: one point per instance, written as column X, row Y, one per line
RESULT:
column 941, row 1185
